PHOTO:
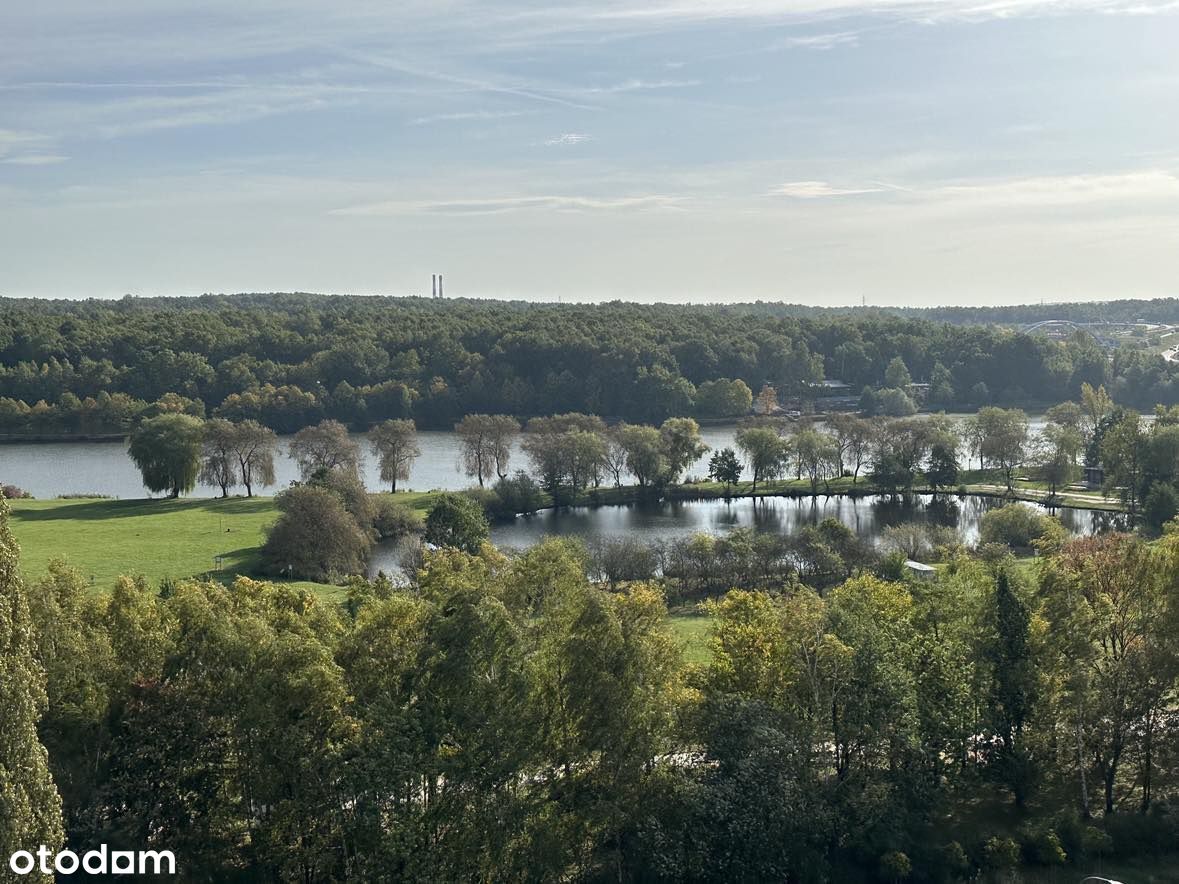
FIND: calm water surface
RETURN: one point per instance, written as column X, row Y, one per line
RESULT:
column 669, row 520
column 47, row 469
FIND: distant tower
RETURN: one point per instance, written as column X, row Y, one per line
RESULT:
column 440, row 285
column 433, row 285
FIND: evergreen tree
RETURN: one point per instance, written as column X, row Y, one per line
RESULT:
column 1013, row 687
column 30, row 808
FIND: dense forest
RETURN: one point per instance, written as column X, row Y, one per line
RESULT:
column 289, row 361
column 503, row 718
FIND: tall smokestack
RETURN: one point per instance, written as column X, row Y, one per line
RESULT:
column 440, row 285
column 433, row 285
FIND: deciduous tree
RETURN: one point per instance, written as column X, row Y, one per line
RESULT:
column 167, row 450
column 395, row 444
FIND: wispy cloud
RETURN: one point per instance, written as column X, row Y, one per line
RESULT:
column 671, row 11
column 822, row 42
column 34, row 159
column 1044, row 191
column 15, row 139
column 467, row 116
column 1048, row 191
column 809, row 190
column 637, row 85
column 567, row 139
column 499, row 205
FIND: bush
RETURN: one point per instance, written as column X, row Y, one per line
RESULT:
column 1000, row 854
column 394, row 519
column 1137, row 834
column 1015, row 526
column 1042, row 846
column 919, row 541
column 315, row 538
column 11, row 492
column 892, row 567
column 518, row 494
column 1162, row 503
column 347, row 486
column 485, row 498
column 456, row 520
column 895, row 866
column 894, row 403
column 623, row 559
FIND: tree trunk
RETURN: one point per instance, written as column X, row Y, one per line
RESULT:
column 1147, row 762
column 1081, row 767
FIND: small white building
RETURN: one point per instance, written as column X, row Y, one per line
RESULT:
column 920, row 570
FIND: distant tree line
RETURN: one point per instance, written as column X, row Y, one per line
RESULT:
column 292, row 361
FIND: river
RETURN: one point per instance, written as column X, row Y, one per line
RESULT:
column 50, row 469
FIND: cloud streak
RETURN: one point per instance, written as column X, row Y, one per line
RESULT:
column 1139, row 187
column 567, row 139
column 501, row 205
column 810, row 190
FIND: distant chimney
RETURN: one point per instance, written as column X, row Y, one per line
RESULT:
column 440, row 285
column 433, row 285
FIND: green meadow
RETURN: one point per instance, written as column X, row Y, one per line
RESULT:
column 159, row 539
column 163, row 539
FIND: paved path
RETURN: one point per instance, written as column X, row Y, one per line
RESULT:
column 1065, row 497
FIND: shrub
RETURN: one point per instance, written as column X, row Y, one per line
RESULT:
column 315, row 538
column 1015, row 525
column 456, row 520
column 622, row 559
column 1162, row 503
column 919, row 541
column 11, row 492
column 515, row 495
column 892, row 566
column 485, row 498
column 895, row 866
column 394, row 519
column 1041, row 846
column 1001, row 854
column 894, row 403
column 350, row 490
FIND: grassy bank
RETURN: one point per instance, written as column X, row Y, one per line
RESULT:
column 159, row 539
column 977, row 483
column 162, row 539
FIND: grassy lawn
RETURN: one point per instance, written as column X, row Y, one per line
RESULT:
column 692, row 629
column 156, row 538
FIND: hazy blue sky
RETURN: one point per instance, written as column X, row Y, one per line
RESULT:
column 821, row 151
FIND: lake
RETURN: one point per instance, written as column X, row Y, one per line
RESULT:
column 669, row 520
column 49, row 469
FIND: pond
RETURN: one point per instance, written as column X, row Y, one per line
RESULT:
column 49, row 469
column 669, row 520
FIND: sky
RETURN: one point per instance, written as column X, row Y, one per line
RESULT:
column 902, row 152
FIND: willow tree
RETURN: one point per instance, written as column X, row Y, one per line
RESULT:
column 167, row 450
column 30, row 808
column 395, row 443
